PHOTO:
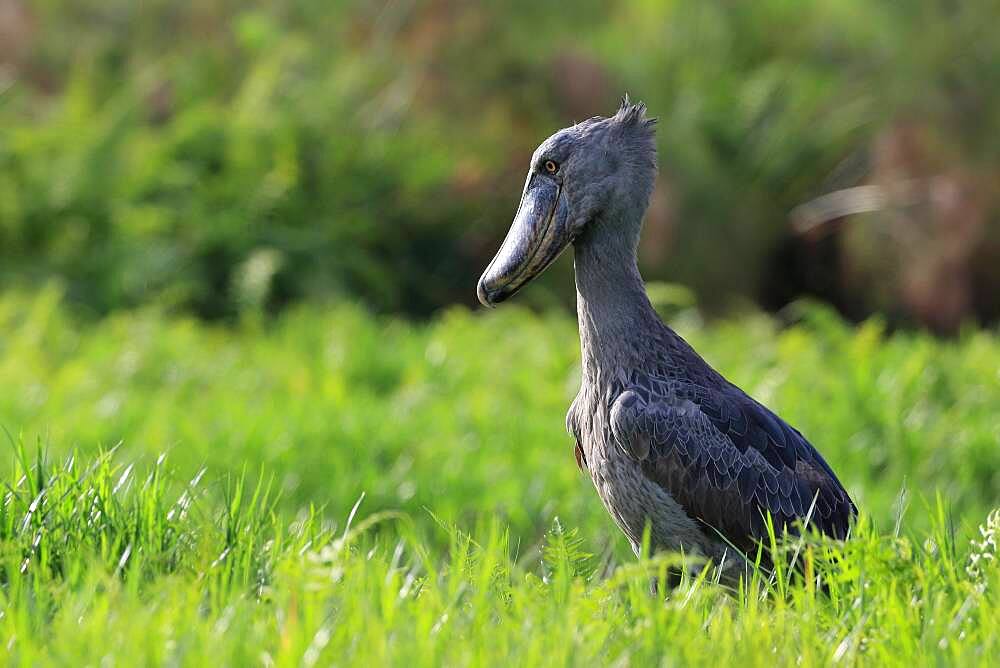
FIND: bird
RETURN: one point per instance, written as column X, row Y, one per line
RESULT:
column 672, row 447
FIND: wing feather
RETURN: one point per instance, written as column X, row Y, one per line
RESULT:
column 727, row 460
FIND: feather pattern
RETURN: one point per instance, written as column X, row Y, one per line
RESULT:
column 726, row 459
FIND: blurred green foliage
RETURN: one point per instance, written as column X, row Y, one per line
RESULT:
column 215, row 156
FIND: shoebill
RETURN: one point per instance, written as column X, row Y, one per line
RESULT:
column 666, row 439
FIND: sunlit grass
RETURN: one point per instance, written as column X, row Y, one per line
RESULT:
column 334, row 489
column 100, row 561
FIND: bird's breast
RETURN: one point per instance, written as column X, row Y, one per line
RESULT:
column 630, row 497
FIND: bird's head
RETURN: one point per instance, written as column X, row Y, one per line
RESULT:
column 600, row 169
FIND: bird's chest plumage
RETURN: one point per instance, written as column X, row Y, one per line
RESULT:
column 632, row 499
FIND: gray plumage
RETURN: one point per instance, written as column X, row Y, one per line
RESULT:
column 666, row 439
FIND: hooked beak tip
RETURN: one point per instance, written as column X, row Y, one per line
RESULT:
column 490, row 297
column 484, row 296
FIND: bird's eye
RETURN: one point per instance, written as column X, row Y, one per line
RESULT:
column 551, row 167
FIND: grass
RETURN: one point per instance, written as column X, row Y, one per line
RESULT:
column 335, row 489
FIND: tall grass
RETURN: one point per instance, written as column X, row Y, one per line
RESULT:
column 333, row 489
column 99, row 562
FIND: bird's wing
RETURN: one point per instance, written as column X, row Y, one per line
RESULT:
column 727, row 460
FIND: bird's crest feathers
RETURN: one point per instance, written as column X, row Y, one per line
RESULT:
column 633, row 115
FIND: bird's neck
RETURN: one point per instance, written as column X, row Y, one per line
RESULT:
column 617, row 321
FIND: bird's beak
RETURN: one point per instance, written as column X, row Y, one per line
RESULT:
column 537, row 236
